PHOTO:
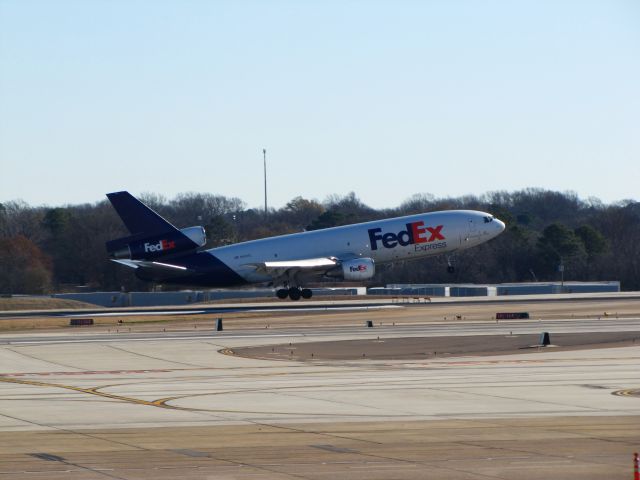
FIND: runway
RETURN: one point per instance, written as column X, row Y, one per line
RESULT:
column 342, row 304
column 153, row 404
column 327, row 333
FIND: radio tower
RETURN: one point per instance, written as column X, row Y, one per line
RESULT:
column 264, row 158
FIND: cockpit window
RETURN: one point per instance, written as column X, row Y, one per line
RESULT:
column 488, row 219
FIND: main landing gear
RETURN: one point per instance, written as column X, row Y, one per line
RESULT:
column 294, row 293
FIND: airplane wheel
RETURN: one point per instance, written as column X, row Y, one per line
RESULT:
column 307, row 293
column 451, row 269
column 294, row 293
column 282, row 293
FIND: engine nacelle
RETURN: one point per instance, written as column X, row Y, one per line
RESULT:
column 358, row 269
column 138, row 247
column 196, row 234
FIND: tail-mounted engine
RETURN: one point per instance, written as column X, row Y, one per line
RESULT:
column 148, row 247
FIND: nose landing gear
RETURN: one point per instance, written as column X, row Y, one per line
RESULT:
column 450, row 267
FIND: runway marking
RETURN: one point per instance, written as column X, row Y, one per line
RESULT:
column 24, row 354
column 190, row 453
column 152, row 357
column 630, row 392
column 93, row 391
column 165, row 370
column 132, row 314
column 96, row 372
column 509, row 362
column 159, row 338
column 334, row 449
column 162, row 402
column 48, row 457
column 151, row 313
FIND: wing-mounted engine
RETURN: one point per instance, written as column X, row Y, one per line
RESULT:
column 149, row 247
column 355, row 269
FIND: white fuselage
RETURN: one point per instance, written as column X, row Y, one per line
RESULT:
column 402, row 238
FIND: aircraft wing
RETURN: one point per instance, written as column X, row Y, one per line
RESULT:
column 290, row 267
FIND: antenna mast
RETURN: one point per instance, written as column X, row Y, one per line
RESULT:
column 264, row 157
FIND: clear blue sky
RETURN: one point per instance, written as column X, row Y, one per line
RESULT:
column 386, row 99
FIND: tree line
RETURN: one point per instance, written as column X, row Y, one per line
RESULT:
column 45, row 249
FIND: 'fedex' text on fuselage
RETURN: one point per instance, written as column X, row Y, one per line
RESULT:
column 416, row 232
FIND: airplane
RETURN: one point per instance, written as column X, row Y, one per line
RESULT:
column 160, row 252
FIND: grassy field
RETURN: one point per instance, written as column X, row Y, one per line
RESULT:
column 40, row 303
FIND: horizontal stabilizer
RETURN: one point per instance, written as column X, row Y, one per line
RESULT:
column 153, row 265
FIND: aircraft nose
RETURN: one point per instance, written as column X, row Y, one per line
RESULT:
column 500, row 225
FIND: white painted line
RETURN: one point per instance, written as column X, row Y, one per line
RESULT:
column 131, row 314
column 241, row 310
column 151, row 339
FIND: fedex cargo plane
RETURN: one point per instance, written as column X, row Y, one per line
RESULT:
column 162, row 253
